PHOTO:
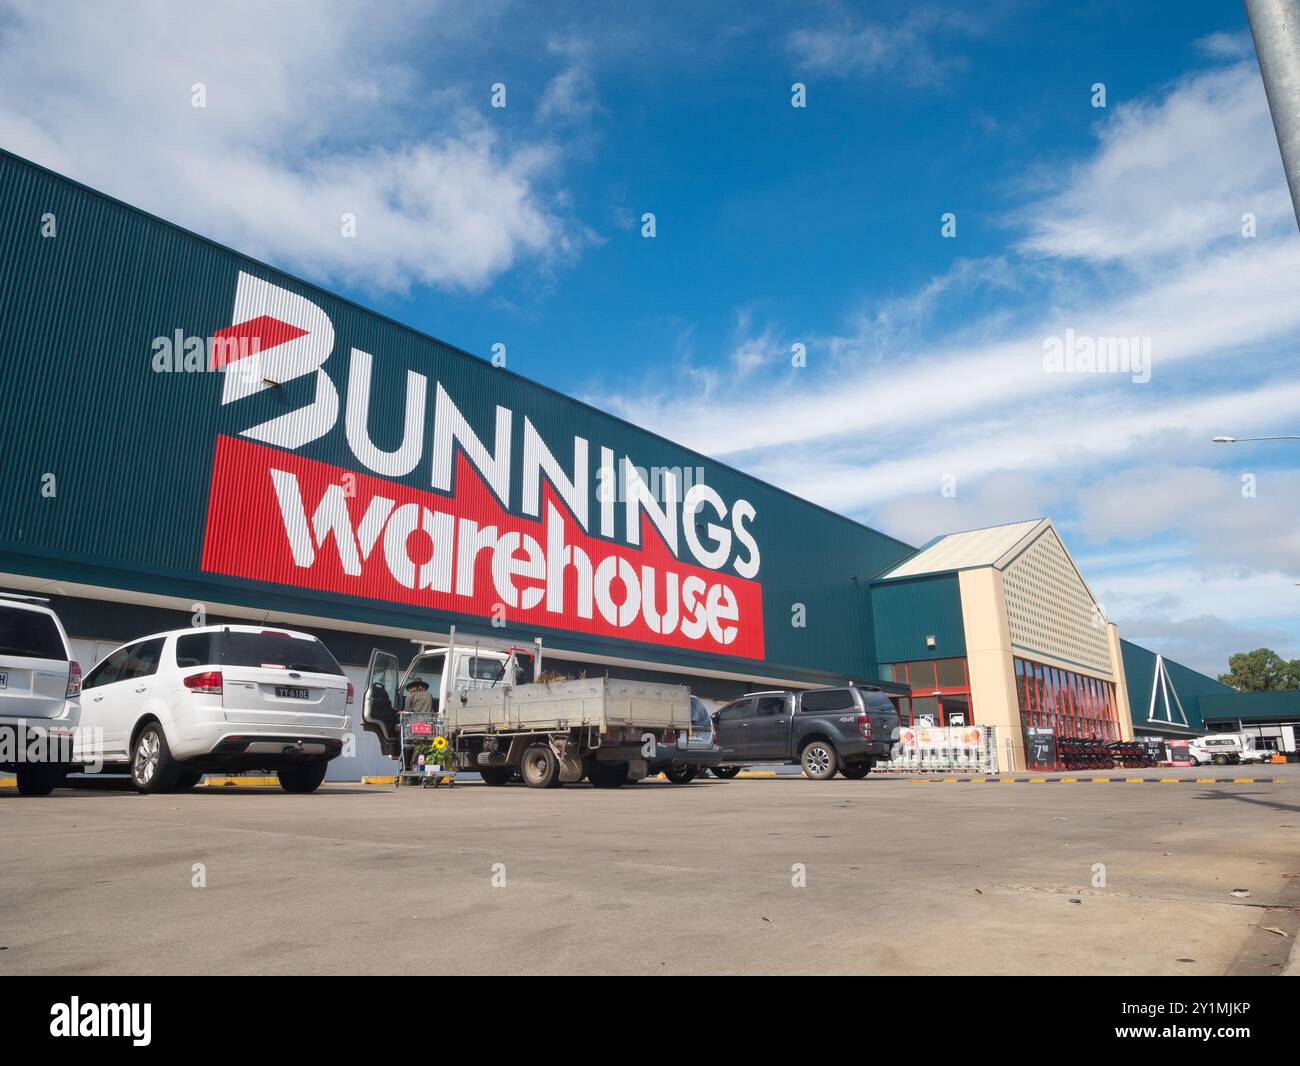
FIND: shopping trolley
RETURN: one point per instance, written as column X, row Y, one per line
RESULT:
column 417, row 728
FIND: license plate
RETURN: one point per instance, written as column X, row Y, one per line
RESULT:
column 285, row 693
column 4, row 680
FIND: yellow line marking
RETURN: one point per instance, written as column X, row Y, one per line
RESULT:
column 1038, row 780
column 1168, row 780
column 1206, row 780
column 1243, row 780
column 241, row 782
column 378, row 780
column 949, row 780
column 1069, row 780
column 1134, row 780
column 1101, row 780
column 8, row 782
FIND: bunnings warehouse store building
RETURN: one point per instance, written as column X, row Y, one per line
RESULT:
column 191, row 432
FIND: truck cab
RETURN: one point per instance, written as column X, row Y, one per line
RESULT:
column 476, row 663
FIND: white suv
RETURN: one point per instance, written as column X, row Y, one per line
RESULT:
column 39, row 687
column 172, row 707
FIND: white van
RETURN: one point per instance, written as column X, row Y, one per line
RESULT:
column 40, row 686
column 174, row 706
column 1223, row 749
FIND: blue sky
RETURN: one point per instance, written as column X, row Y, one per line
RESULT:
column 775, row 226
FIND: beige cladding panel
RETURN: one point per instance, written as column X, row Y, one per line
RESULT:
column 989, row 661
column 1051, row 614
column 1121, row 684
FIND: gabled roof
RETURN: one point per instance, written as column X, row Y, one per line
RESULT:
column 990, row 546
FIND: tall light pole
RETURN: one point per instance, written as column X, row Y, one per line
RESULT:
column 1244, row 440
column 1275, row 25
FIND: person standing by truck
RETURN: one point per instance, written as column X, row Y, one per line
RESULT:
column 418, row 698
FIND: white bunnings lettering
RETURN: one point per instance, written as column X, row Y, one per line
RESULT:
column 688, row 516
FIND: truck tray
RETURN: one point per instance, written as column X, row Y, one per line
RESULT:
column 598, row 702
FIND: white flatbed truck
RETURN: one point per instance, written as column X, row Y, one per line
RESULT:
column 549, row 733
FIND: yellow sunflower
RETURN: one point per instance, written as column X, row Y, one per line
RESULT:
column 439, row 743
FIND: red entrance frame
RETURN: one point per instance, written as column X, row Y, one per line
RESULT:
column 1069, row 703
column 931, row 688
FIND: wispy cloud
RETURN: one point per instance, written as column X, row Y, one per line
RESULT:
column 915, row 49
column 1141, row 239
column 313, row 111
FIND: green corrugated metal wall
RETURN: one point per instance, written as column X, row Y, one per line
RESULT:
column 132, row 451
column 1280, row 705
column 1191, row 686
column 907, row 610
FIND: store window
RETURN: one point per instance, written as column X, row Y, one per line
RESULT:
column 940, row 692
column 1068, row 704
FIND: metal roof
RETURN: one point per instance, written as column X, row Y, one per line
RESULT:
column 973, row 548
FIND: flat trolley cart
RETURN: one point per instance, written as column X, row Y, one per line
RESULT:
column 417, row 728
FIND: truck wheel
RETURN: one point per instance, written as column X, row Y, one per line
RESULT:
column 726, row 773
column 1220, row 760
column 607, row 774
column 857, row 772
column 495, row 775
column 40, row 779
column 681, row 777
column 819, row 761
column 152, row 767
column 540, row 768
column 302, row 777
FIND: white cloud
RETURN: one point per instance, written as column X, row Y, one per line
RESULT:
column 313, row 110
column 1141, row 239
column 1170, row 177
column 908, row 49
column 568, row 97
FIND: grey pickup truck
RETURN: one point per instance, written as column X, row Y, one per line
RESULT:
column 825, row 730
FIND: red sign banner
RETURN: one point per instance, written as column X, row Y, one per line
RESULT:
column 277, row 517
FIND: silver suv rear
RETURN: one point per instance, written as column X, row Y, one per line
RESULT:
column 40, row 688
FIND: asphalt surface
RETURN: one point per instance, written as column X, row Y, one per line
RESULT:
column 899, row 877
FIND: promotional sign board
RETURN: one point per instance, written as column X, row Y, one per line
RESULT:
column 1040, row 747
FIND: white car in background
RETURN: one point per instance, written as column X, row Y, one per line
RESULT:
column 171, row 707
column 1224, row 749
column 40, row 683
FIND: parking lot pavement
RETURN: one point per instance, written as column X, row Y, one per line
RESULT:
column 900, row 878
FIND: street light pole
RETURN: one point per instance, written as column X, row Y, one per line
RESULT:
column 1275, row 25
column 1245, row 440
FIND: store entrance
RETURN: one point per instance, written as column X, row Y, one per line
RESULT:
column 940, row 692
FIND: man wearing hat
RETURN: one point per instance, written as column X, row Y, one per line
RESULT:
column 418, row 699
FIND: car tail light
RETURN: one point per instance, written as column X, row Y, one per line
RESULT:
column 74, row 679
column 350, row 693
column 864, row 726
column 209, row 681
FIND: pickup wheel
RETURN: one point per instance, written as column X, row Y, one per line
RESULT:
column 819, row 760
column 40, row 779
column 681, row 777
column 607, row 774
column 495, row 775
column 540, row 768
column 726, row 773
column 187, row 781
column 857, row 772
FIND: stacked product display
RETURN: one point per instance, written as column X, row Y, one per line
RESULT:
column 1075, row 753
column 1129, row 753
